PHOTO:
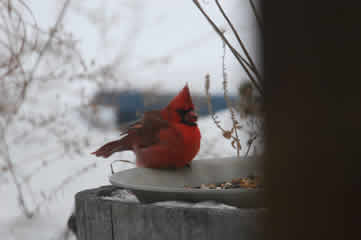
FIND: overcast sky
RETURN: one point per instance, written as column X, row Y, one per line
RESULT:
column 165, row 43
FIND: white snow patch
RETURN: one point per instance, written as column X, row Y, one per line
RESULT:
column 122, row 195
column 204, row 204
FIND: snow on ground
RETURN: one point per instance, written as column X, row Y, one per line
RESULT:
column 127, row 196
column 171, row 45
column 50, row 222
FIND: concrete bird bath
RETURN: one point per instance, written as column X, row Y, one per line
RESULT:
column 101, row 216
column 153, row 185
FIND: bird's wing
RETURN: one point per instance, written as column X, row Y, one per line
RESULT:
column 145, row 132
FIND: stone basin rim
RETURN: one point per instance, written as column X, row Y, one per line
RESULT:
column 114, row 180
column 179, row 189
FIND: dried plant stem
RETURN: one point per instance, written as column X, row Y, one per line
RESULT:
column 258, row 18
column 226, row 134
column 253, row 66
column 210, row 109
column 10, row 166
column 63, row 183
column 33, row 173
column 28, row 81
column 17, row 24
column 249, row 143
column 244, row 63
column 228, row 102
column 18, row 105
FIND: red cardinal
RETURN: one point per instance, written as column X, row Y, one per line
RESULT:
column 169, row 138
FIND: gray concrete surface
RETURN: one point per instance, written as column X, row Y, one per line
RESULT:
column 153, row 185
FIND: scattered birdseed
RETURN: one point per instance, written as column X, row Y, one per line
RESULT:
column 250, row 182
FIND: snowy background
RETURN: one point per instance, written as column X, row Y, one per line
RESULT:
column 158, row 45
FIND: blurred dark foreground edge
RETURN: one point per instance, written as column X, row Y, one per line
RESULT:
column 313, row 119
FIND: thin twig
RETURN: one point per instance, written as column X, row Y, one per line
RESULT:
column 228, row 102
column 249, row 143
column 245, row 65
column 210, row 108
column 41, row 54
column 13, row 62
column 258, row 18
column 253, row 66
column 10, row 166
column 3, row 131
column 62, row 185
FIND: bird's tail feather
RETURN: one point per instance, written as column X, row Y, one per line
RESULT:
column 110, row 148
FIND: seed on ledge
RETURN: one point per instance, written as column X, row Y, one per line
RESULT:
column 228, row 185
column 236, row 180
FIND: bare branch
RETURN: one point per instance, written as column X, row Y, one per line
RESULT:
column 245, row 65
column 42, row 51
column 210, row 109
column 229, row 104
column 10, row 166
column 11, row 30
column 249, row 143
column 249, row 58
column 258, row 18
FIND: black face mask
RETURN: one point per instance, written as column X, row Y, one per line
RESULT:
column 188, row 117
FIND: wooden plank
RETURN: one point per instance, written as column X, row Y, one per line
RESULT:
column 165, row 222
column 94, row 216
column 195, row 224
column 105, row 219
column 243, row 224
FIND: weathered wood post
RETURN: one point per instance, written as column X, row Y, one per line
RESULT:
column 100, row 217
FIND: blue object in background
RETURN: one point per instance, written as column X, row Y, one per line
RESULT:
column 130, row 105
